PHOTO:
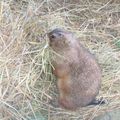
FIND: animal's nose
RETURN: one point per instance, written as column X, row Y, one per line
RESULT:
column 55, row 33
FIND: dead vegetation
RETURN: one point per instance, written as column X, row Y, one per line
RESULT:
column 26, row 81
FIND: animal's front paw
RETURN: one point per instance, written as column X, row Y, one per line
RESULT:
column 54, row 103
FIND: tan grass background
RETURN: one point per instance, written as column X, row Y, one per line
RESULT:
column 26, row 81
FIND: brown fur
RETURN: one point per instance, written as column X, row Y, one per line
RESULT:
column 78, row 74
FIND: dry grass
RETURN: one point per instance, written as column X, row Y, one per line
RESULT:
column 26, row 82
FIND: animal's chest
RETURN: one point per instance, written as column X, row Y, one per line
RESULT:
column 61, row 68
column 64, row 85
column 62, row 73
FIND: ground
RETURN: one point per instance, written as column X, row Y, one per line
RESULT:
column 26, row 80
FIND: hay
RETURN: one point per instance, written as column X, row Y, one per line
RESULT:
column 26, row 80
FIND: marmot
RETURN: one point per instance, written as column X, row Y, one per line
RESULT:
column 78, row 73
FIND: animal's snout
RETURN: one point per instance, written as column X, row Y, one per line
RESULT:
column 56, row 33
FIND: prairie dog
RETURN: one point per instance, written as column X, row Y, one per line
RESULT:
column 78, row 74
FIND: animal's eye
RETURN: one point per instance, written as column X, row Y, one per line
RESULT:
column 60, row 34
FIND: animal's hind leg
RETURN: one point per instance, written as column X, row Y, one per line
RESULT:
column 98, row 101
column 65, row 103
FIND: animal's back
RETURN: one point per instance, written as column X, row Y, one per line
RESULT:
column 85, row 78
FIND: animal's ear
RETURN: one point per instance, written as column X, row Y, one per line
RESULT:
column 71, row 34
column 72, row 38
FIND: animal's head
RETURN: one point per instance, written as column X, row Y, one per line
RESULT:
column 60, row 39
